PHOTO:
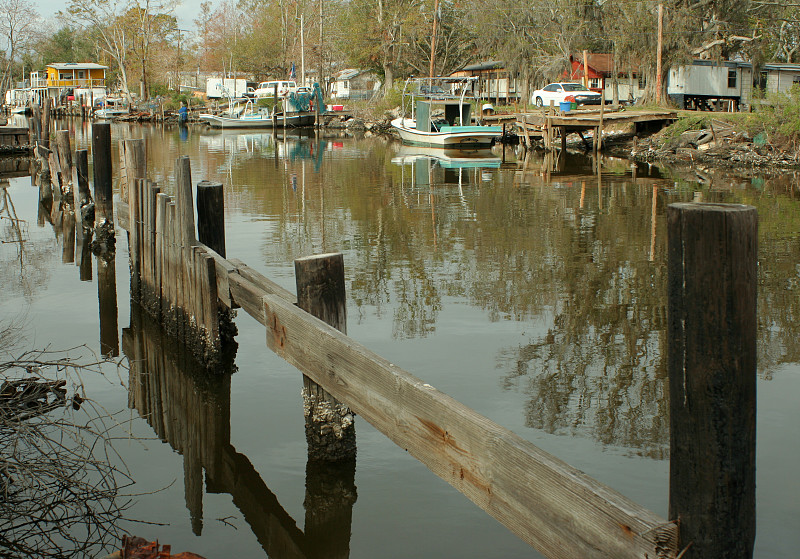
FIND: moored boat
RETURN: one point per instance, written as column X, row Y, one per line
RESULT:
column 246, row 115
column 441, row 117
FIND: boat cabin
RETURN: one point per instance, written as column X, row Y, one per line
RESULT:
column 455, row 114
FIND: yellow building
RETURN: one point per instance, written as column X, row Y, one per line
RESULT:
column 75, row 74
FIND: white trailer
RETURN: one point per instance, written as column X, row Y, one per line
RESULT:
column 217, row 88
column 708, row 84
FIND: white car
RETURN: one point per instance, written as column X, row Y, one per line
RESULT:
column 565, row 91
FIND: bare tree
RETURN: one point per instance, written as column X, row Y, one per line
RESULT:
column 105, row 18
column 152, row 20
column 18, row 23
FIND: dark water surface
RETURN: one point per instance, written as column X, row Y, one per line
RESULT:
column 535, row 296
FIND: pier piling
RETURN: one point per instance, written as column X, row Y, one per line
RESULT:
column 330, row 430
column 712, row 276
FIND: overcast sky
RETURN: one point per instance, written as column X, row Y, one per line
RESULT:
column 186, row 11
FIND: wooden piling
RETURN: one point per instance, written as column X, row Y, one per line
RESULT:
column 101, row 150
column 80, row 179
column 134, row 163
column 186, row 240
column 64, row 152
column 211, row 216
column 107, row 300
column 712, row 275
column 44, row 134
column 330, row 430
column 161, row 226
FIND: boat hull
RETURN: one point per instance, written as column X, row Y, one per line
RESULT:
column 110, row 113
column 455, row 137
column 291, row 121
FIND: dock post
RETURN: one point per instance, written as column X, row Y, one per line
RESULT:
column 211, row 232
column 330, row 430
column 600, row 127
column 101, row 149
column 64, row 152
column 44, row 135
column 712, row 278
column 103, row 193
column 211, row 216
column 80, row 186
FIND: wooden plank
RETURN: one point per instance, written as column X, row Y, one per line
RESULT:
column 123, row 217
column 135, row 162
column 161, row 224
column 261, row 282
column 175, row 271
column 134, row 240
column 223, row 268
column 208, row 274
column 551, row 505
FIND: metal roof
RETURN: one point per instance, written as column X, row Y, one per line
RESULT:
column 491, row 65
column 77, row 66
column 781, row 67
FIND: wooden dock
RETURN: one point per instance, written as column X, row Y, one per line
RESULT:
column 549, row 123
column 13, row 138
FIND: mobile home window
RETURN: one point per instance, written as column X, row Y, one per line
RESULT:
column 642, row 81
column 731, row 78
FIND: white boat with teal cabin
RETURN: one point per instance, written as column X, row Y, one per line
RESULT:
column 441, row 116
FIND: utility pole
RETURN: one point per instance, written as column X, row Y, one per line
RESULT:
column 320, row 79
column 658, row 57
column 585, row 78
column 433, row 35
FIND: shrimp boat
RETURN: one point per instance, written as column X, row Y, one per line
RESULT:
column 441, row 116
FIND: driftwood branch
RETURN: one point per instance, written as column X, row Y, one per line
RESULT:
column 60, row 480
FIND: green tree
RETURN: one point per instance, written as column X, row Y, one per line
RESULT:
column 67, row 44
column 375, row 34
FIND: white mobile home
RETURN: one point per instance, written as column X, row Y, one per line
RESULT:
column 707, row 84
column 777, row 78
column 354, row 84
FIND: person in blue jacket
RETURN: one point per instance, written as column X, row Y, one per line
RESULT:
column 183, row 113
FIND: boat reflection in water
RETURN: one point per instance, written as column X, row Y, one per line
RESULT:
column 431, row 166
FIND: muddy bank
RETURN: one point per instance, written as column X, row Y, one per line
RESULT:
column 721, row 147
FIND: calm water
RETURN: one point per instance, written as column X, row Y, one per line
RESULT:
column 532, row 291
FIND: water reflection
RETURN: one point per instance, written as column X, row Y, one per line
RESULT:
column 190, row 409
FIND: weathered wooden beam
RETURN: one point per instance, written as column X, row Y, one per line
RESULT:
column 551, row 505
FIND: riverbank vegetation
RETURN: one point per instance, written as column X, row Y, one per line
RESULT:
column 145, row 45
